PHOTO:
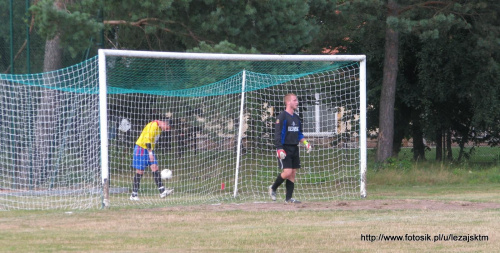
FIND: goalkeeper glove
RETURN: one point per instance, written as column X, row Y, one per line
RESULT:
column 307, row 145
column 281, row 154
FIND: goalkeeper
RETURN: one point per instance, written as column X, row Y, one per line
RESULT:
column 144, row 157
column 287, row 135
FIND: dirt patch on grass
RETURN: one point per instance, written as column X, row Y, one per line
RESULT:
column 405, row 204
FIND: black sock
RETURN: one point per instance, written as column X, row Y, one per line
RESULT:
column 137, row 183
column 289, row 189
column 156, row 176
column 278, row 182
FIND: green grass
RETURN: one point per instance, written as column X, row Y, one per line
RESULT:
column 274, row 227
column 208, row 229
column 406, row 173
column 202, row 228
column 476, row 156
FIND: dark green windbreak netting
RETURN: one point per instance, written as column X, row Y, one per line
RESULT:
column 170, row 77
column 185, row 77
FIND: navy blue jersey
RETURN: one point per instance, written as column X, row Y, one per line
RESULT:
column 288, row 130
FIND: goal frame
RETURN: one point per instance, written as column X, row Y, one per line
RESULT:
column 103, row 53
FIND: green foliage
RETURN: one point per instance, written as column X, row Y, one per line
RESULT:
column 219, row 70
column 269, row 26
column 224, row 46
column 20, row 22
column 75, row 26
column 266, row 26
column 394, row 164
column 448, row 61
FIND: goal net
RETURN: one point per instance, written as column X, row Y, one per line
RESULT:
column 222, row 109
column 49, row 135
column 68, row 136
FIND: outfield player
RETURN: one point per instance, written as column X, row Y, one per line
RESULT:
column 287, row 136
column 144, row 157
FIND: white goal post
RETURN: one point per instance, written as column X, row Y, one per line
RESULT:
column 223, row 120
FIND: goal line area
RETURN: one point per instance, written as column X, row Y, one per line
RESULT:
column 69, row 135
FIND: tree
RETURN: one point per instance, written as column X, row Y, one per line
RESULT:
column 19, row 36
column 406, row 43
column 268, row 26
column 418, row 26
column 388, row 94
column 463, row 96
column 200, row 26
column 46, row 117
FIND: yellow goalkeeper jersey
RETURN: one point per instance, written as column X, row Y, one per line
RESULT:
column 150, row 134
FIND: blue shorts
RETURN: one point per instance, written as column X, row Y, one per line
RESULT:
column 141, row 158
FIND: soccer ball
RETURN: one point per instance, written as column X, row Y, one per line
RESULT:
column 166, row 174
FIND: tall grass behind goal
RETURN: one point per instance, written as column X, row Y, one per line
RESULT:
column 221, row 109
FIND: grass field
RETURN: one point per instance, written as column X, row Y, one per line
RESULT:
column 414, row 204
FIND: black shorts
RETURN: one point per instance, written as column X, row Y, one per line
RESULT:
column 292, row 160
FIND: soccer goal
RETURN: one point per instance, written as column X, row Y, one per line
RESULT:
column 221, row 109
column 68, row 136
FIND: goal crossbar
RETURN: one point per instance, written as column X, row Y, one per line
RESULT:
column 229, row 57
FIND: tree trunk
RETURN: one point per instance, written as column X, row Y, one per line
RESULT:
column 418, row 137
column 402, row 118
column 439, row 144
column 399, row 135
column 461, row 152
column 448, row 146
column 388, row 95
column 46, row 119
column 53, row 54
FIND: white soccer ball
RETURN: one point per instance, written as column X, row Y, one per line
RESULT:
column 166, row 174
